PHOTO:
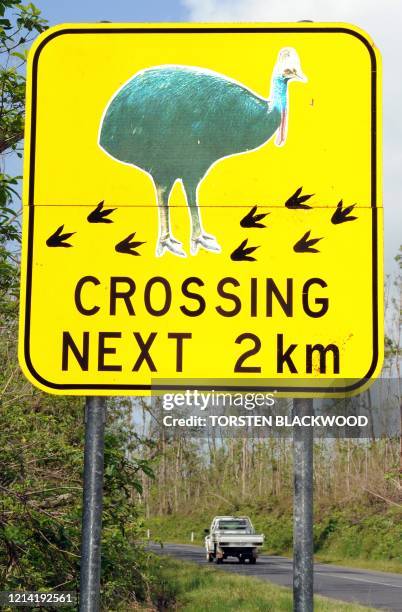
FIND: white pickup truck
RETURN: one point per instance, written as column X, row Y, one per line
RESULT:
column 232, row 536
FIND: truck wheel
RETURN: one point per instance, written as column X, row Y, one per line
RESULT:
column 253, row 560
column 218, row 560
column 210, row 557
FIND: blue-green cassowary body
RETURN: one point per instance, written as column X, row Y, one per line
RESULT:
column 175, row 122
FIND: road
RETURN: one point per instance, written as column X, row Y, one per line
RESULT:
column 376, row 589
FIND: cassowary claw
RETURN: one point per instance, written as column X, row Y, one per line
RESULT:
column 169, row 244
column 205, row 241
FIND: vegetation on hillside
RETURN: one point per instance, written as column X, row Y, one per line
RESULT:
column 363, row 535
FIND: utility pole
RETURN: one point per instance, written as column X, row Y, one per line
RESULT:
column 95, row 417
column 303, row 565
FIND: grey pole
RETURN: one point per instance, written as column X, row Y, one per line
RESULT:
column 95, row 416
column 303, row 590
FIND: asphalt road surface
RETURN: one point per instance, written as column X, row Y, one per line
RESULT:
column 375, row 589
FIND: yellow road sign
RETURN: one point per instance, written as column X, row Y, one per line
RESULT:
column 202, row 205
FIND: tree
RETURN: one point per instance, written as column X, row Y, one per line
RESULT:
column 19, row 24
column 393, row 344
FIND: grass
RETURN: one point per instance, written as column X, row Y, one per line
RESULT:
column 189, row 588
column 377, row 565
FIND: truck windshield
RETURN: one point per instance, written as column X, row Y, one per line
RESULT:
column 233, row 525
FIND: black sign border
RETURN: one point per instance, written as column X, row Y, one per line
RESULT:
column 31, row 208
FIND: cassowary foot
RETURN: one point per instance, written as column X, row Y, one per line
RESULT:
column 205, row 241
column 169, row 244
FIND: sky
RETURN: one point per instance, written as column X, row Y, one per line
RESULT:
column 382, row 20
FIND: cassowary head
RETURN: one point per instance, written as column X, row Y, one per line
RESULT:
column 288, row 66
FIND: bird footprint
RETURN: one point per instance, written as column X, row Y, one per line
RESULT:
column 253, row 220
column 296, row 200
column 128, row 245
column 243, row 252
column 57, row 239
column 305, row 244
column 99, row 214
column 341, row 214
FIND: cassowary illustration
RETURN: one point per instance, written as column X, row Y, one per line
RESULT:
column 175, row 122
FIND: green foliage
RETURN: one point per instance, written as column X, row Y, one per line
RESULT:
column 41, row 466
column 19, row 24
column 9, row 286
column 376, row 536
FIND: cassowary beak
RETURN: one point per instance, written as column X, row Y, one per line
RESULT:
column 299, row 75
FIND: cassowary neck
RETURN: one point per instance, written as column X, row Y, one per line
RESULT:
column 278, row 94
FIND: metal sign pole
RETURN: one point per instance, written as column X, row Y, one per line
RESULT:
column 95, row 416
column 303, row 566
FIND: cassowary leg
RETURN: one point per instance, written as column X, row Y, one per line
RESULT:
column 199, row 238
column 166, row 242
